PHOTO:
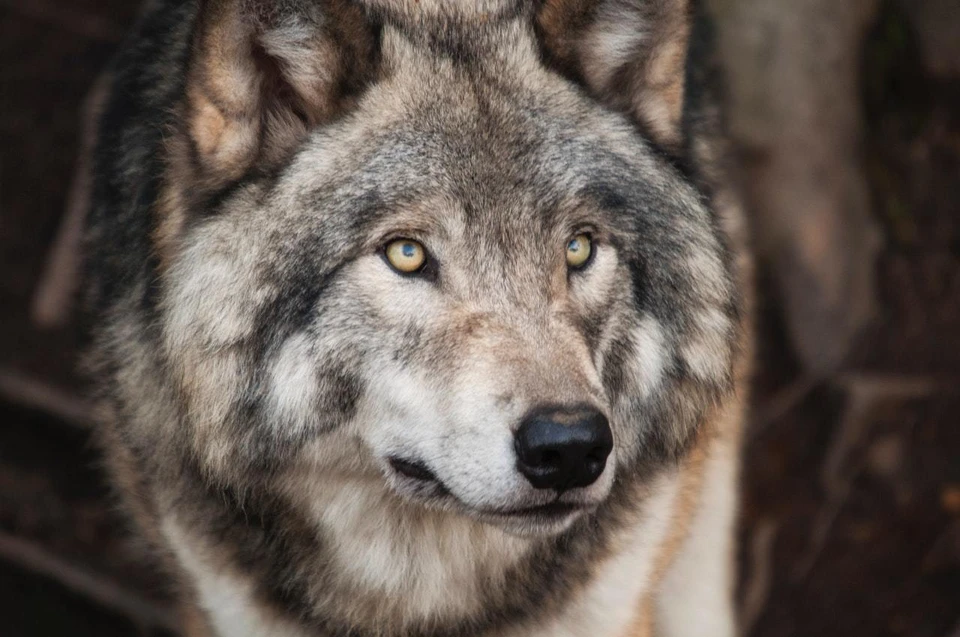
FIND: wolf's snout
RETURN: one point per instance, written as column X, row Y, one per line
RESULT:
column 562, row 448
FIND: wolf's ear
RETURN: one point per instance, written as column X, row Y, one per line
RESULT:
column 631, row 54
column 264, row 72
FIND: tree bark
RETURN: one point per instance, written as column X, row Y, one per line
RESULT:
column 794, row 115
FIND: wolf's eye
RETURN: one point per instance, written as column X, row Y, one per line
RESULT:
column 578, row 251
column 406, row 255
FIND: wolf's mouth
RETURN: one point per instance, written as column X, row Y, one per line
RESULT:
column 412, row 469
column 425, row 479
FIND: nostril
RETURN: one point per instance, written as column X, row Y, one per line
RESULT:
column 550, row 458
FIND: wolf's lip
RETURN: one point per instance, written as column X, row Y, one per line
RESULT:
column 413, row 469
column 550, row 510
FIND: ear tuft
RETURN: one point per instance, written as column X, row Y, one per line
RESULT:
column 263, row 73
column 631, row 54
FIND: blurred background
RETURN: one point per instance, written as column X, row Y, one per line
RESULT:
column 845, row 118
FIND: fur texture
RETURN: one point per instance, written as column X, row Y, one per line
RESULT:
column 262, row 369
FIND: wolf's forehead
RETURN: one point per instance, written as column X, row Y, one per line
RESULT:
column 491, row 145
column 470, row 120
column 506, row 150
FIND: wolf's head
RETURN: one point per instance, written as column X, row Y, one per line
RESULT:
column 441, row 247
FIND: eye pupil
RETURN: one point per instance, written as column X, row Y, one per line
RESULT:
column 409, row 250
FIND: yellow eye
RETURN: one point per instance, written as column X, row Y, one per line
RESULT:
column 578, row 251
column 406, row 255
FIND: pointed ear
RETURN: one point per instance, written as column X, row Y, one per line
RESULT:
column 264, row 72
column 631, row 54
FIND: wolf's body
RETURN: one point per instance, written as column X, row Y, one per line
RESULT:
column 318, row 444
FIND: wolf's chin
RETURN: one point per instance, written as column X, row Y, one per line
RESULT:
column 530, row 525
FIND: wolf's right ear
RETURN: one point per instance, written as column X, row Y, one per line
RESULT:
column 264, row 72
column 630, row 54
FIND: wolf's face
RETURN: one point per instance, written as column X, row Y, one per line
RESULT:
column 478, row 288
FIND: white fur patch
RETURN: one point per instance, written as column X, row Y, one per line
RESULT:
column 293, row 387
column 707, row 351
column 463, row 436
column 203, row 308
column 650, row 355
column 706, row 271
column 211, row 303
column 696, row 595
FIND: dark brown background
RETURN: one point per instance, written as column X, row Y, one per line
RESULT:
column 851, row 511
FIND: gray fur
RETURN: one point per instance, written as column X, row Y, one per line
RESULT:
column 261, row 363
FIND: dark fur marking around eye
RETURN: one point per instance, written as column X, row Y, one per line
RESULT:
column 639, row 283
column 312, row 264
column 614, row 376
column 294, row 307
column 605, row 196
column 592, row 328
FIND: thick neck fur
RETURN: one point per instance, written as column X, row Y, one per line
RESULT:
column 394, row 570
column 408, row 561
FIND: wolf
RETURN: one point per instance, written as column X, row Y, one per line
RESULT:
column 422, row 318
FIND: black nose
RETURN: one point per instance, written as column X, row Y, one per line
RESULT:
column 563, row 448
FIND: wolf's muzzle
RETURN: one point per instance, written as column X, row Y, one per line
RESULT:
column 563, row 449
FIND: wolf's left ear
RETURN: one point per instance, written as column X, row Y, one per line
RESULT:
column 631, row 55
column 264, row 72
